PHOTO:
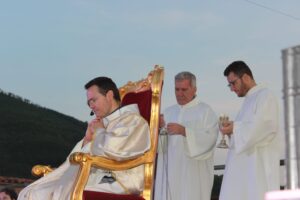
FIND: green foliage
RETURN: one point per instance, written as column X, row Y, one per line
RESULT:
column 30, row 134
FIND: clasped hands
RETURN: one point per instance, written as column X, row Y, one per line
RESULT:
column 172, row 128
column 91, row 129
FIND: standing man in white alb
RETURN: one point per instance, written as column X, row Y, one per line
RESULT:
column 185, row 160
column 252, row 165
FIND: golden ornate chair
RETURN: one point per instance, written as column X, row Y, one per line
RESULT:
column 147, row 94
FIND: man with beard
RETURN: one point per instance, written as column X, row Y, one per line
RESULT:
column 252, row 165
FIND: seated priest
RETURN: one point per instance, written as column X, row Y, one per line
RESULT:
column 118, row 133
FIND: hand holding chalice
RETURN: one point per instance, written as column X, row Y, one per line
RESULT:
column 223, row 120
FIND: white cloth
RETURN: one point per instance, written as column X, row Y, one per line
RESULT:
column 252, row 165
column 185, row 164
column 126, row 135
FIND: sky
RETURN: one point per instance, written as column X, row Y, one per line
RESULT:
column 50, row 49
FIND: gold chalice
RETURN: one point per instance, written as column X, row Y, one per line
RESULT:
column 223, row 119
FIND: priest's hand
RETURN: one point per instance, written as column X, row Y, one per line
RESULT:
column 91, row 129
column 162, row 122
column 175, row 129
column 227, row 128
column 96, row 123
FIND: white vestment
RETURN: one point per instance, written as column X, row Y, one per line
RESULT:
column 126, row 135
column 252, row 165
column 185, row 164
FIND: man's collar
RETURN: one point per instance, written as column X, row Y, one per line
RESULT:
column 193, row 102
column 133, row 108
column 254, row 89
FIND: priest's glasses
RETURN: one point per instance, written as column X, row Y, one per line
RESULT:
column 223, row 119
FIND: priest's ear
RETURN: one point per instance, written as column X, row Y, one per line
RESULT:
column 110, row 95
column 247, row 79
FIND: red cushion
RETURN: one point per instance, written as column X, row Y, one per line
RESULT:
column 143, row 99
column 92, row 195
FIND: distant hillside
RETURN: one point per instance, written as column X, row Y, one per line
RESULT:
column 31, row 134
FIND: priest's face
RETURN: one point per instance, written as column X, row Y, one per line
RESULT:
column 237, row 84
column 184, row 91
column 100, row 104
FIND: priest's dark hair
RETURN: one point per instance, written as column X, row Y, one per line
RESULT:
column 239, row 68
column 104, row 84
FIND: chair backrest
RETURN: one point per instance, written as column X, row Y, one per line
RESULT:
column 147, row 94
column 142, row 99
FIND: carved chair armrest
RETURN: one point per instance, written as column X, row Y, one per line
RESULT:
column 86, row 161
column 41, row 170
column 106, row 163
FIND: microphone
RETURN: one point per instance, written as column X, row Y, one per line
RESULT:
column 92, row 113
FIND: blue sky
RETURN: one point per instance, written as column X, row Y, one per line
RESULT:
column 50, row 49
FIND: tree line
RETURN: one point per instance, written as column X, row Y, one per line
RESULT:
column 31, row 134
